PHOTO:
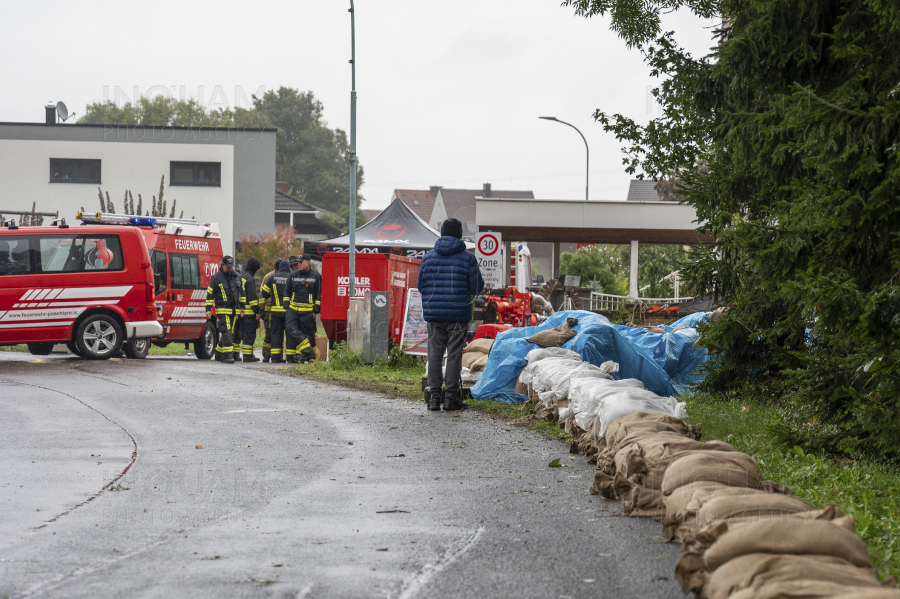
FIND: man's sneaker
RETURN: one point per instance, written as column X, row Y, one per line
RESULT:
column 455, row 407
column 434, row 404
column 228, row 359
column 251, row 358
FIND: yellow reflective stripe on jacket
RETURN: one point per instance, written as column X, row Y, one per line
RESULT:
column 301, row 307
column 224, row 312
column 224, row 295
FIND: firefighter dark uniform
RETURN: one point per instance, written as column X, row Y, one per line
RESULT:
column 306, row 300
column 245, row 335
column 276, row 293
column 224, row 293
column 264, row 310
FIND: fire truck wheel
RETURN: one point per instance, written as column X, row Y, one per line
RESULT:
column 136, row 349
column 73, row 347
column 40, row 349
column 205, row 346
column 99, row 337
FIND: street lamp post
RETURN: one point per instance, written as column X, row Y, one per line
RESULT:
column 353, row 158
column 587, row 176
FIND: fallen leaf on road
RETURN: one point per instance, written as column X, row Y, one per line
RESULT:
column 554, row 463
column 198, row 447
column 382, row 549
column 589, row 580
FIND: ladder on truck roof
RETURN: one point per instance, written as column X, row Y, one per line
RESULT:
column 190, row 227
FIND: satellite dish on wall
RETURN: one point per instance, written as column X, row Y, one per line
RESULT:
column 63, row 112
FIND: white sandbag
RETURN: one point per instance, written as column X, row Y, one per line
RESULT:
column 529, row 374
column 560, row 387
column 585, row 395
column 629, row 401
column 469, row 377
column 536, row 355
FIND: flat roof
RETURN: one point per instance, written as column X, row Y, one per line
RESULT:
column 143, row 126
column 584, row 221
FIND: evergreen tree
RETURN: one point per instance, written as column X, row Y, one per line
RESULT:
column 785, row 140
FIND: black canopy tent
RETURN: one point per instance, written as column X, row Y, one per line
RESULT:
column 396, row 230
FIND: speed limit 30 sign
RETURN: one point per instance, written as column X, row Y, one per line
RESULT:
column 490, row 259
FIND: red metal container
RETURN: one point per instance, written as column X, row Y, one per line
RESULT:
column 374, row 272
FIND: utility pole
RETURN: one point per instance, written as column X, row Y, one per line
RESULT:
column 353, row 158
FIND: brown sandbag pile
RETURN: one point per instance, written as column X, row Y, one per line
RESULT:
column 813, row 589
column 477, row 351
column 734, row 505
column 720, row 543
column 730, row 468
column 757, row 570
column 744, row 537
column 555, row 337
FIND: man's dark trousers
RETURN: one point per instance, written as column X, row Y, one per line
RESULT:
column 278, row 329
column 449, row 336
column 301, row 332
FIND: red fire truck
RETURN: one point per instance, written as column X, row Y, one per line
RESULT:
column 183, row 255
column 90, row 287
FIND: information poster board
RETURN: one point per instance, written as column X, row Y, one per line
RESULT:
column 415, row 332
column 489, row 253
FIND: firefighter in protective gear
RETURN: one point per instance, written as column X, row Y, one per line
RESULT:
column 265, row 311
column 306, row 301
column 249, row 321
column 224, row 293
column 275, row 292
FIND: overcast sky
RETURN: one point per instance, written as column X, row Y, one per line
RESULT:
column 449, row 92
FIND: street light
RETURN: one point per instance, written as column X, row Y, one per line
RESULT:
column 588, row 174
column 353, row 158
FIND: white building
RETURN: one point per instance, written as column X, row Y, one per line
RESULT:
column 214, row 175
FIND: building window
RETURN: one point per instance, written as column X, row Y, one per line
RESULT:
column 204, row 174
column 74, row 170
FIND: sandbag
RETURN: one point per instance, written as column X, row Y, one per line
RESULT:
column 755, row 570
column 748, row 504
column 629, row 401
column 692, row 496
column 555, row 337
column 640, row 501
column 621, row 427
column 814, row 589
column 542, row 353
column 482, row 345
column 470, row 357
column 479, row 363
column 807, row 537
column 731, row 468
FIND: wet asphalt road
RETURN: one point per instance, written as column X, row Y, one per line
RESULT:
column 300, row 490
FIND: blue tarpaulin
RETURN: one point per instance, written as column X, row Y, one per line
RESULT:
column 664, row 362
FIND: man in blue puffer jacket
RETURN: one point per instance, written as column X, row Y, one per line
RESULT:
column 449, row 279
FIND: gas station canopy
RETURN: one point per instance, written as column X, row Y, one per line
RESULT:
column 396, row 230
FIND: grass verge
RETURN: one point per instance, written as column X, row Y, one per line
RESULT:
column 868, row 491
